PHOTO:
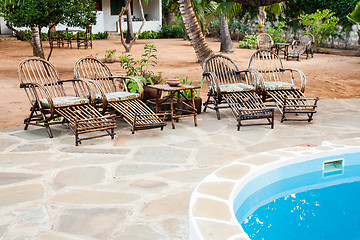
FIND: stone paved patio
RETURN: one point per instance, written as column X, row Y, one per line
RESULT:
column 136, row 186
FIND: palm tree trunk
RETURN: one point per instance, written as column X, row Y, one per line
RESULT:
column 36, row 40
column 193, row 30
column 262, row 18
column 226, row 45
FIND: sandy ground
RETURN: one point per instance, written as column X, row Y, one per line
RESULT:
column 329, row 76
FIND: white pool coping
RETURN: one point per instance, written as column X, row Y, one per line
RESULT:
column 211, row 215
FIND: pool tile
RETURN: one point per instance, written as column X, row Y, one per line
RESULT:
column 208, row 208
column 233, row 172
column 217, row 189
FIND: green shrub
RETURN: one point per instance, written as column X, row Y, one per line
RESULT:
column 277, row 32
column 172, row 31
column 149, row 35
column 249, row 41
column 67, row 35
column 321, row 24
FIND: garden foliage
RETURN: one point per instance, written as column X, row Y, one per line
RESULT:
column 321, row 24
column 249, row 41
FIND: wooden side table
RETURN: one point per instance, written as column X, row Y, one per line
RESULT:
column 284, row 47
column 175, row 92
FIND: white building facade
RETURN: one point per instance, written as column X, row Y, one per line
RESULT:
column 108, row 17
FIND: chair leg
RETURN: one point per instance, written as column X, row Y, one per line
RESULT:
column 27, row 120
column 206, row 103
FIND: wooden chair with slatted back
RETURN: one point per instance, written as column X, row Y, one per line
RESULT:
column 50, row 103
column 230, row 88
column 264, row 41
column 110, row 97
column 284, row 86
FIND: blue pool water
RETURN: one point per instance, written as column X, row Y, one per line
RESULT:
column 309, row 205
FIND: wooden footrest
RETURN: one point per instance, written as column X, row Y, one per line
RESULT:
column 247, row 105
column 138, row 115
column 86, row 119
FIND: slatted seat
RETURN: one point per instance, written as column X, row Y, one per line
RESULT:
column 50, row 104
column 230, row 88
column 283, row 86
column 109, row 97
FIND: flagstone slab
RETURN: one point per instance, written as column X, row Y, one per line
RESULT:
column 37, row 133
column 172, row 204
column 95, row 197
column 161, row 155
column 32, row 147
column 52, row 235
column 97, row 223
column 73, row 149
column 83, row 159
column 136, row 169
column 5, row 143
column 79, row 176
column 3, row 229
column 12, row 177
column 147, row 184
column 193, row 175
column 15, row 160
column 18, row 194
column 35, row 214
column 212, row 155
column 140, row 232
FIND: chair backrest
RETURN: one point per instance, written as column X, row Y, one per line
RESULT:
column 223, row 67
column 92, row 68
column 42, row 72
column 264, row 41
column 268, row 64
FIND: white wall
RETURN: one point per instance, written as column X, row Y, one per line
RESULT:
column 4, row 28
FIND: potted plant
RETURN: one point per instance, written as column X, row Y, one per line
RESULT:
column 140, row 70
column 187, row 93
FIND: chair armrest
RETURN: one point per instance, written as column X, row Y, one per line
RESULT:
column 257, row 80
column 141, row 88
column 302, row 77
column 92, row 93
column 35, row 87
column 213, row 82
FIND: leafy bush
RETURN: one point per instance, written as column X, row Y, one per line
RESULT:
column 321, row 24
column 67, row 35
column 149, row 35
column 109, row 56
column 172, row 31
column 249, row 41
column 139, row 68
column 277, row 32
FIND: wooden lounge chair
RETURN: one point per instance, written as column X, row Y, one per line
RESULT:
column 300, row 47
column 264, row 41
column 278, row 84
column 109, row 97
column 230, row 88
column 51, row 105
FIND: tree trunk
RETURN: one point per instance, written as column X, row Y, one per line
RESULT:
column 262, row 18
column 36, row 40
column 130, row 31
column 358, row 51
column 226, row 45
column 193, row 30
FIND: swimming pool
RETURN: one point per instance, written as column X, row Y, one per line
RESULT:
column 234, row 192
column 316, row 199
